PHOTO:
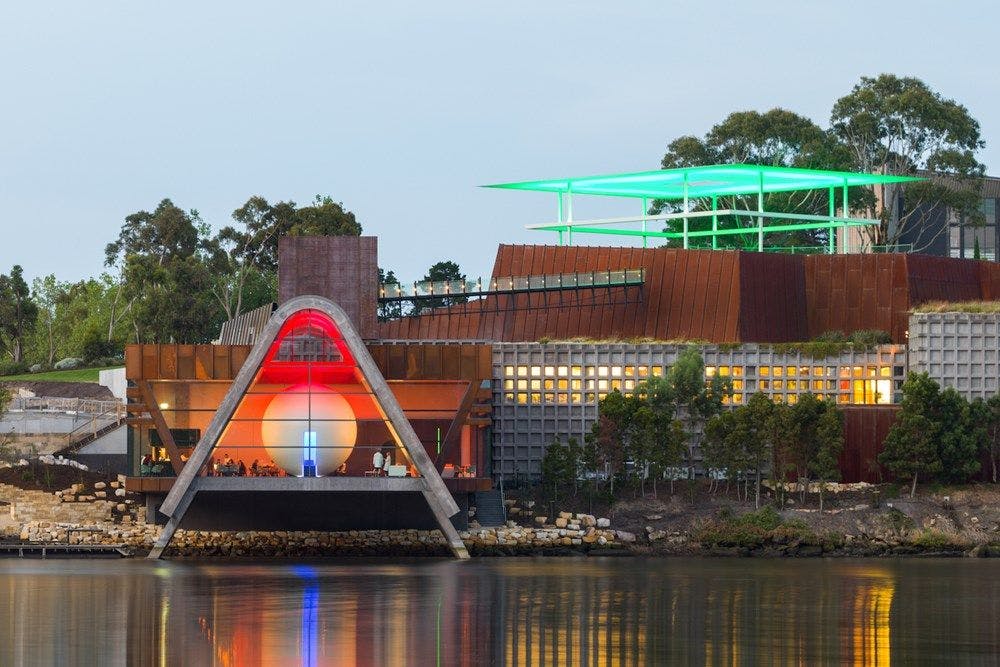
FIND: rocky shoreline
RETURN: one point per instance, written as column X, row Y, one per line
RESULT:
column 103, row 513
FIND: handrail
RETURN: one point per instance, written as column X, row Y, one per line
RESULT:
column 553, row 281
column 109, row 418
column 63, row 404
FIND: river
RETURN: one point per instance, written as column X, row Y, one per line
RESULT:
column 514, row 611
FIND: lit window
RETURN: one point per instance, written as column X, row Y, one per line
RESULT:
column 791, row 371
column 777, row 371
column 765, row 371
column 536, row 398
column 591, row 384
column 657, row 371
column 522, row 371
column 778, row 398
column 630, row 371
column 536, row 384
column 536, row 371
column 602, row 371
column 858, row 371
column 563, row 399
column 724, row 371
column 804, row 370
column 591, row 371
column 616, row 385
column 777, row 384
column 550, row 371
column 763, row 384
column 522, row 398
column 522, row 384
column 737, row 398
column 709, row 371
column 550, row 398
column 576, row 385
column 817, row 385
column 821, row 397
column 562, row 371
column 601, row 397
column 549, row 383
column 885, row 371
column 643, row 371
column 791, row 384
column 845, row 371
column 843, row 398
column 509, row 397
column 590, row 398
column 792, row 399
column 629, row 385
column 577, row 371
column 883, row 392
column 818, row 371
column 872, row 371
column 508, row 371
column 576, row 398
column 738, row 385
column 508, row 384
column 616, row 371
column 563, row 384
column 737, row 371
column 831, row 371
column 602, row 385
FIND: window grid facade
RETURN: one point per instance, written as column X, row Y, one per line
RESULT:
column 547, row 391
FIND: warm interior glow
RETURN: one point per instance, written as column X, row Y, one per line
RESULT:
column 302, row 409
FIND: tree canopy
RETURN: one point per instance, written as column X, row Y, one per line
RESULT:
column 886, row 124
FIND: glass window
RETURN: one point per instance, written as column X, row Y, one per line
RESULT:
column 737, row 371
column 536, row 384
column 657, row 371
column 616, row 371
column 630, row 371
column 602, row 371
column 777, row 371
column 562, row 371
column 643, row 371
column 563, row 384
column 536, row 371
column 522, row 371
column 709, row 371
column 550, row 371
column 522, row 384
column 550, row 383
column 765, row 371
column 508, row 371
column 508, row 384
column 577, row 371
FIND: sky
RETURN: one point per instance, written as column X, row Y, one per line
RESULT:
column 402, row 110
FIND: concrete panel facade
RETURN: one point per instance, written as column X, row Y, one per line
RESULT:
column 960, row 350
column 542, row 392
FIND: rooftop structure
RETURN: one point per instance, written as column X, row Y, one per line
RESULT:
column 712, row 202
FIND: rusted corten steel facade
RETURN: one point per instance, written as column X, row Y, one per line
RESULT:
column 717, row 296
column 343, row 269
column 865, row 430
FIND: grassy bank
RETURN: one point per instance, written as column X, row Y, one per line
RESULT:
column 75, row 375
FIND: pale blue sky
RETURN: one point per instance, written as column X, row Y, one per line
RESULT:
column 401, row 109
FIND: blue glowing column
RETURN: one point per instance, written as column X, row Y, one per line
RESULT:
column 309, row 454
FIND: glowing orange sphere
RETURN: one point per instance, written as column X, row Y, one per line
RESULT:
column 309, row 422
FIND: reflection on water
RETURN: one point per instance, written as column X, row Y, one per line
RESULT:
column 514, row 611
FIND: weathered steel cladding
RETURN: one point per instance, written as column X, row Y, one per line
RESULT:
column 717, row 296
column 343, row 269
column 865, row 429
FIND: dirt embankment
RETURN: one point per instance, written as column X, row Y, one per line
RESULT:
column 860, row 521
column 60, row 389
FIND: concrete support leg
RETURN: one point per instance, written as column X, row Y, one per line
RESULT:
column 455, row 542
column 163, row 541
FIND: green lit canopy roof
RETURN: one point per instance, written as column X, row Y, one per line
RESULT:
column 715, row 180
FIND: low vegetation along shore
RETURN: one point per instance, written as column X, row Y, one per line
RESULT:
column 859, row 520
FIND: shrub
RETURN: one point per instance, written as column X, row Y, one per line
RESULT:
column 936, row 540
column 11, row 368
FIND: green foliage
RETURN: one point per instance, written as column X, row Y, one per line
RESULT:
column 986, row 416
column 958, row 307
column 389, row 310
column 439, row 272
column 560, row 466
column 753, row 530
column 900, row 126
column 935, row 540
column 777, row 137
column 938, row 434
column 18, row 313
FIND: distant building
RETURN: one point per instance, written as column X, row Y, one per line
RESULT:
column 944, row 232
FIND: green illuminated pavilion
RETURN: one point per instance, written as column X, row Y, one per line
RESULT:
column 682, row 186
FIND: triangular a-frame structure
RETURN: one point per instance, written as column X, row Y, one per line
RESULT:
column 311, row 411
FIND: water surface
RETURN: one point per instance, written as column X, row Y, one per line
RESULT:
column 514, row 611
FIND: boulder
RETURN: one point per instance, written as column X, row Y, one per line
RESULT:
column 603, row 523
column 100, row 485
column 561, row 522
column 68, row 363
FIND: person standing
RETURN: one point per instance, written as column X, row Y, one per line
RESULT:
column 377, row 462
